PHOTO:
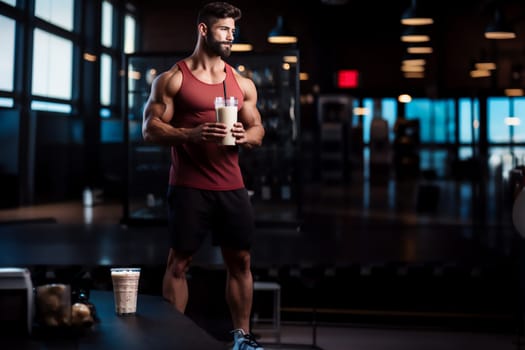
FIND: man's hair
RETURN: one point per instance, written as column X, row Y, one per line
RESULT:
column 213, row 11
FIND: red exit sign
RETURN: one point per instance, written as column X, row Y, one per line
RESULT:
column 347, row 78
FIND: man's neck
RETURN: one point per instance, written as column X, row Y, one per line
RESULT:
column 201, row 59
column 209, row 69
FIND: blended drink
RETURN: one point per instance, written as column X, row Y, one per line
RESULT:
column 125, row 289
column 226, row 111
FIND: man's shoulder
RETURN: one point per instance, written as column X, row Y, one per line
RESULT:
column 169, row 80
column 243, row 81
column 170, row 73
column 176, row 67
column 238, row 75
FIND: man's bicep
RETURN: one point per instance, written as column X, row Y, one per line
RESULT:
column 160, row 103
column 249, row 111
column 249, row 114
column 156, row 109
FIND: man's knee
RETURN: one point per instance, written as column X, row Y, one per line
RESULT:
column 238, row 262
column 179, row 269
column 178, row 266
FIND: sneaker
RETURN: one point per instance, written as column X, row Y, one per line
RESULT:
column 243, row 341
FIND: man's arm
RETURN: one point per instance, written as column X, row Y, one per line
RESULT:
column 158, row 113
column 250, row 131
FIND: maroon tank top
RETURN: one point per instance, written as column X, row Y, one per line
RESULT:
column 206, row 165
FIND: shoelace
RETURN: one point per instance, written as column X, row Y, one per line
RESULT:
column 249, row 341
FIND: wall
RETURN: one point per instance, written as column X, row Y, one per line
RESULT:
column 59, row 157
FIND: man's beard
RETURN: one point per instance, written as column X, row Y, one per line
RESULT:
column 218, row 47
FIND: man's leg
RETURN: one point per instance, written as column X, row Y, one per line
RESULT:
column 239, row 287
column 174, row 284
column 239, row 296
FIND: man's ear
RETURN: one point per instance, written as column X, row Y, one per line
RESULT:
column 203, row 28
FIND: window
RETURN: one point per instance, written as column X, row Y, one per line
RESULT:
column 468, row 119
column 387, row 111
column 468, row 126
column 7, row 53
column 519, row 112
column 499, row 109
column 9, row 2
column 129, row 34
column 50, row 107
column 6, row 102
column 443, row 113
column 52, row 73
column 368, row 104
column 107, row 24
column 421, row 109
column 105, row 79
column 112, row 51
column 389, row 108
column 58, row 12
column 52, row 65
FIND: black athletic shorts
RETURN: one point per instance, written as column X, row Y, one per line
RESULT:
column 194, row 213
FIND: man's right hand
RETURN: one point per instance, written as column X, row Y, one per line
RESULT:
column 209, row 132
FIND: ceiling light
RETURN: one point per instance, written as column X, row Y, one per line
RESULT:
column 484, row 62
column 419, row 49
column 280, row 34
column 404, row 98
column 479, row 73
column 239, row 43
column 498, row 28
column 414, row 75
column 413, row 61
column 513, row 92
column 485, row 65
column 409, row 68
column 414, row 16
column 242, row 47
column 414, row 35
column 290, row 59
column 514, row 88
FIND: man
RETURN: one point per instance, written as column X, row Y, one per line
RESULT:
column 206, row 192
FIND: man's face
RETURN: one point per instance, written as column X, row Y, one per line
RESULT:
column 219, row 37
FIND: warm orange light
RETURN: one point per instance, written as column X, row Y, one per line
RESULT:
column 404, row 98
column 90, row 57
column 415, row 38
column 478, row 73
column 514, row 92
column 419, row 49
